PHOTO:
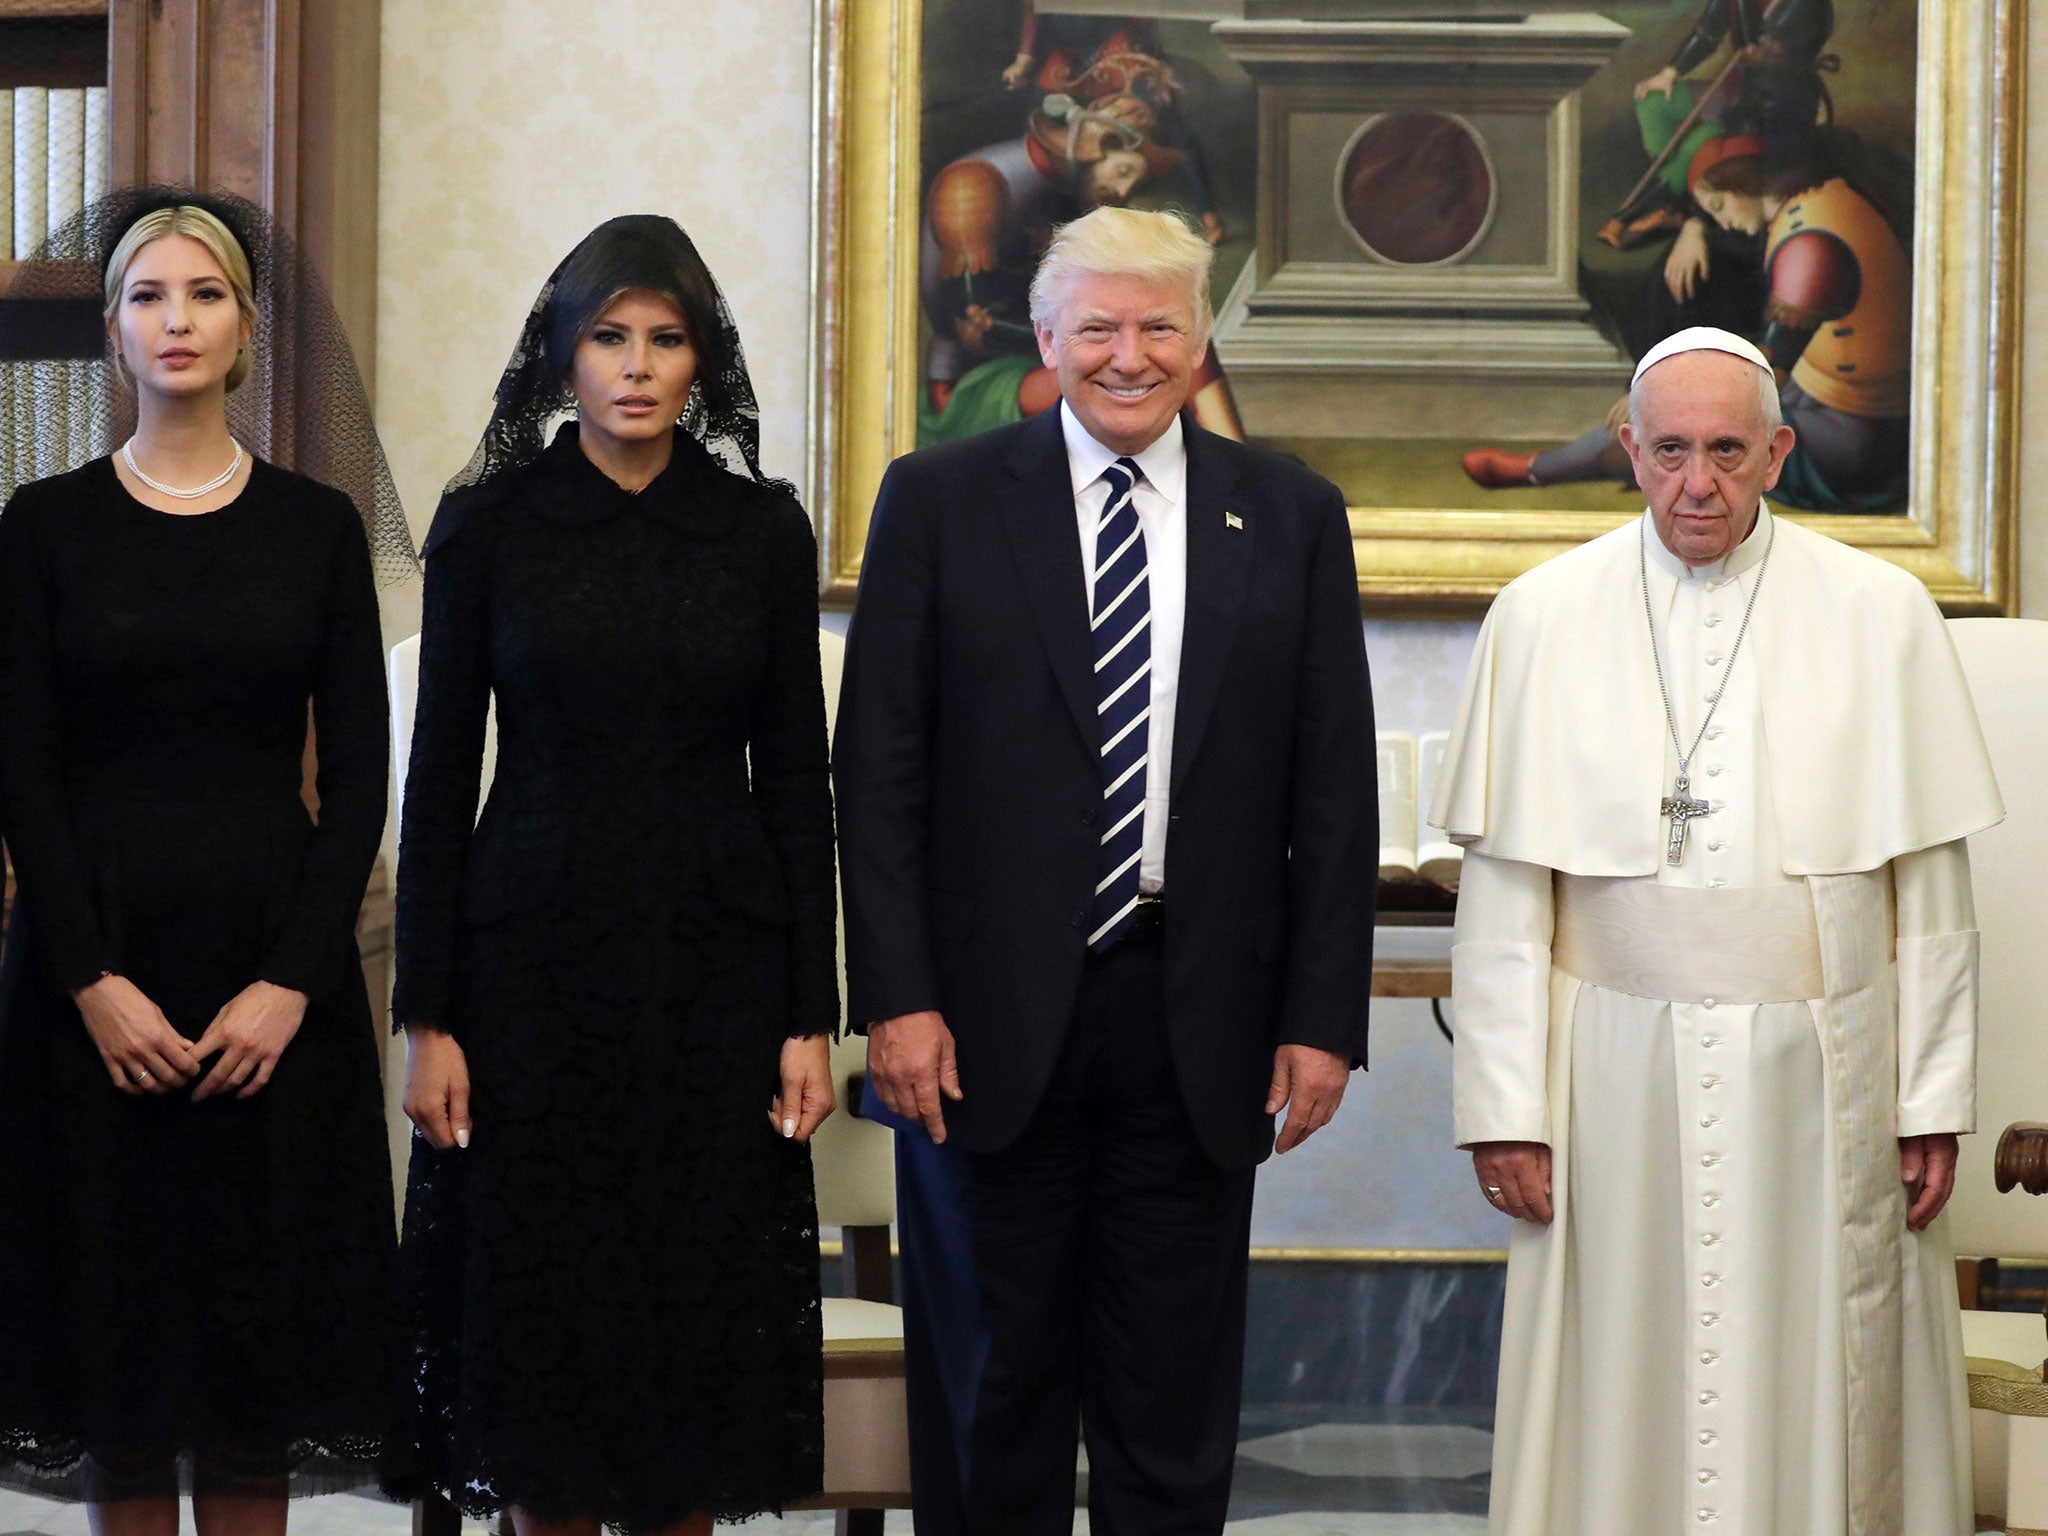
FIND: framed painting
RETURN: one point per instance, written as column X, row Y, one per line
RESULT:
column 1443, row 235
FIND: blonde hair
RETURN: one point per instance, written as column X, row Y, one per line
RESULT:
column 197, row 224
column 1119, row 242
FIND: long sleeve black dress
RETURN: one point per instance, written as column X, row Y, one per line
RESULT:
column 212, row 1280
column 617, row 1281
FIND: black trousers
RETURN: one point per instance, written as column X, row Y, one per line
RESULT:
column 1110, row 1255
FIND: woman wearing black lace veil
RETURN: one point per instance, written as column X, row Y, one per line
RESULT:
column 619, row 983
column 196, row 1237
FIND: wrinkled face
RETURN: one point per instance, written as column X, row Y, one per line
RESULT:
column 177, row 324
column 632, row 373
column 1112, row 179
column 1125, row 350
column 1731, row 210
column 1703, row 456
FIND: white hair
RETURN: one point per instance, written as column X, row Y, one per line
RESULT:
column 1766, row 398
column 1125, row 242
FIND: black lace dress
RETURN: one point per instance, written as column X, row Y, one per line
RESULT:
column 617, row 1282
column 208, row 1283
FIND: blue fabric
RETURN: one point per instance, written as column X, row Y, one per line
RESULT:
column 945, row 1344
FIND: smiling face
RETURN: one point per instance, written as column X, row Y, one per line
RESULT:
column 176, row 322
column 1125, row 349
column 633, row 369
column 1703, row 452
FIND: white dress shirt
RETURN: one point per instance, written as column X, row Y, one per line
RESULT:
column 1161, row 502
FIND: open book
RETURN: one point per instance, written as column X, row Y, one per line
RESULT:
column 1411, row 849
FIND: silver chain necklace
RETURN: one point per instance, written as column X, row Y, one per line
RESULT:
column 1680, row 805
column 219, row 480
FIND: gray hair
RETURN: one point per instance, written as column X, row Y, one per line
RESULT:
column 1766, row 397
column 1125, row 242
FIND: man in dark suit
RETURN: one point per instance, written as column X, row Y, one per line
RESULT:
column 1109, row 841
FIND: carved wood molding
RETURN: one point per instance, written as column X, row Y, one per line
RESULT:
column 2023, row 1158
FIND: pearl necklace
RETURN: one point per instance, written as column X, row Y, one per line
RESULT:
column 219, row 480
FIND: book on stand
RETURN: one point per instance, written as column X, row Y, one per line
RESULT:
column 1419, row 866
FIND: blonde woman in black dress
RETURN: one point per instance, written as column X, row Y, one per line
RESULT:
column 195, row 1221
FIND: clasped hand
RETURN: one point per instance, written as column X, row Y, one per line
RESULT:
column 143, row 1053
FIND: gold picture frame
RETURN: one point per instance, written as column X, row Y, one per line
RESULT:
column 1959, row 533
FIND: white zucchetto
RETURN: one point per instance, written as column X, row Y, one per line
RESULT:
column 1700, row 338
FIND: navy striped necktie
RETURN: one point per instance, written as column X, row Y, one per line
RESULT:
column 1122, row 622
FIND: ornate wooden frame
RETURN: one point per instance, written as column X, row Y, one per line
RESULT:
column 1959, row 534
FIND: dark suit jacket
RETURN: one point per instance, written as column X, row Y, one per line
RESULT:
column 970, row 790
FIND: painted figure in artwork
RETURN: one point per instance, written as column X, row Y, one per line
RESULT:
column 990, row 214
column 987, row 216
column 1091, row 56
column 1770, row 87
column 1836, row 325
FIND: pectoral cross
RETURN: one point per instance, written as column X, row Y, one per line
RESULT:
column 1680, row 806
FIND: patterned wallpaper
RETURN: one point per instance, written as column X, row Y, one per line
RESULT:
column 511, row 127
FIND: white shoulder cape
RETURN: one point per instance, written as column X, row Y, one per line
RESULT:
column 1557, row 757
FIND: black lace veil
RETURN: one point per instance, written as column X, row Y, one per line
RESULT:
column 303, row 405
column 637, row 250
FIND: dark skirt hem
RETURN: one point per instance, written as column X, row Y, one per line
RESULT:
column 61, row 1467
column 486, row 1499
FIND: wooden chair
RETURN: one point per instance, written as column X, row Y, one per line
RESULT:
column 867, row 1457
column 2006, row 661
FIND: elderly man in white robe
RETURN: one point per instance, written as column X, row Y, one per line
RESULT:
column 1715, row 977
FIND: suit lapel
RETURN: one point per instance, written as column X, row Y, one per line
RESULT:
column 1037, row 502
column 1220, row 535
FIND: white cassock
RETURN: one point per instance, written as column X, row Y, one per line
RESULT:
column 1728, row 1327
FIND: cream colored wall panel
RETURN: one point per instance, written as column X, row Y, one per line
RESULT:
column 510, row 127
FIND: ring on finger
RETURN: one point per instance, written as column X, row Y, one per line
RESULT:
column 142, row 1075
column 1492, row 1192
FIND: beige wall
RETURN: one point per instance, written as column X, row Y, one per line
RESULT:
column 511, row 127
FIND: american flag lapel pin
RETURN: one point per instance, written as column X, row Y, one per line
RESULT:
column 1232, row 520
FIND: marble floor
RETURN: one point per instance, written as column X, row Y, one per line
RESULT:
column 1298, row 1474
column 348, row 1515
